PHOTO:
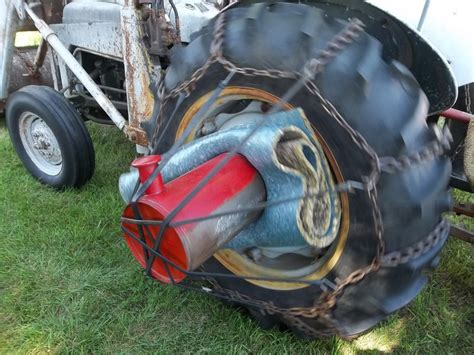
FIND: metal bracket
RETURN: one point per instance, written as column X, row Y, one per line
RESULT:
column 136, row 135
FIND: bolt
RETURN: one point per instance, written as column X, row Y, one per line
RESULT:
column 133, row 136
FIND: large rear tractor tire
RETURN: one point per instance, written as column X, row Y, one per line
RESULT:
column 381, row 100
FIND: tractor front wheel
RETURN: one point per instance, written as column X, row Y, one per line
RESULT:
column 49, row 137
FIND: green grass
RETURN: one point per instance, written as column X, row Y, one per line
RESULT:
column 69, row 284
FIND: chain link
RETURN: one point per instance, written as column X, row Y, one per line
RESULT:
column 438, row 235
column 322, row 307
column 433, row 150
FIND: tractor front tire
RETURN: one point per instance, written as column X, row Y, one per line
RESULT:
column 50, row 138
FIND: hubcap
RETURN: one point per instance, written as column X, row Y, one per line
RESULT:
column 40, row 143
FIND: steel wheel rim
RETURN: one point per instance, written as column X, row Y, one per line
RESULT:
column 40, row 143
column 240, row 264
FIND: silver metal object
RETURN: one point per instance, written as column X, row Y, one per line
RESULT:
column 426, row 8
column 137, row 68
column 82, row 12
column 193, row 14
column 204, row 238
column 40, row 143
column 104, row 102
column 106, row 41
column 8, row 27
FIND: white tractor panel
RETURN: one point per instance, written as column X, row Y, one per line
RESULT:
column 447, row 25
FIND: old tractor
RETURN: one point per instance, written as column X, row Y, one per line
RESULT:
column 291, row 156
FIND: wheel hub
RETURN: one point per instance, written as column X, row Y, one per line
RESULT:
column 40, row 143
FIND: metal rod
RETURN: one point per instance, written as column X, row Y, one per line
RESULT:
column 53, row 40
column 466, row 209
column 423, row 15
column 40, row 56
column 462, row 234
column 457, row 115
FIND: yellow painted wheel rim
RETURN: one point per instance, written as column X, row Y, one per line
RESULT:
column 239, row 264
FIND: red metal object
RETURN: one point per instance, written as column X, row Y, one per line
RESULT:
column 237, row 184
column 146, row 165
column 457, row 115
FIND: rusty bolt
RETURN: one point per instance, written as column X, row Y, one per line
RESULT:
column 133, row 136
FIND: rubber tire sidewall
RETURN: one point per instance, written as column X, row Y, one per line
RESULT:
column 69, row 130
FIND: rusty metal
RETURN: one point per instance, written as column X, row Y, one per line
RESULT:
column 137, row 68
column 40, row 57
column 23, row 67
column 160, row 32
column 462, row 234
column 136, row 135
column 101, row 38
column 466, row 209
column 430, row 151
column 51, row 11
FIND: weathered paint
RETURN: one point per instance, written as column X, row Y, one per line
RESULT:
column 75, row 67
column 8, row 27
column 138, row 67
column 103, row 38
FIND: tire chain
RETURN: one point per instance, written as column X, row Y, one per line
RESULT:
column 322, row 307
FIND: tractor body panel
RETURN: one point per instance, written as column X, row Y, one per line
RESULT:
column 445, row 24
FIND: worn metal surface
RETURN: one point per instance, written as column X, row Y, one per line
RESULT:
column 462, row 234
column 77, row 69
column 51, row 11
column 193, row 14
column 457, row 115
column 91, row 12
column 161, row 34
column 466, row 209
column 8, row 26
column 103, row 38
column 138, row 68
